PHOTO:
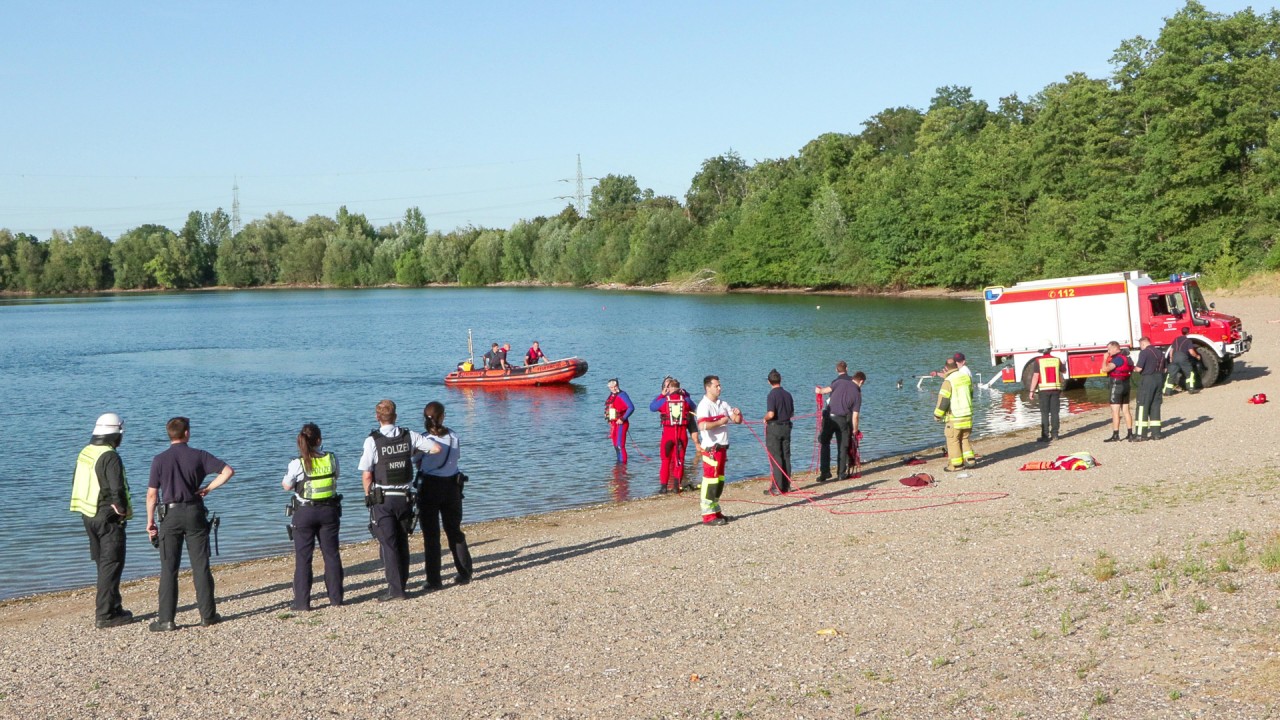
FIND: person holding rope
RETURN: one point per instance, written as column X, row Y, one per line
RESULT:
column 714, row 415
column 837, row 421
column 780, row 407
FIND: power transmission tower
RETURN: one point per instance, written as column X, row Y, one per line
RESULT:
column 235, row 206
column 582, row 196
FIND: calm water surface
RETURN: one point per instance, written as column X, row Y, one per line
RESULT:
column 250, row 367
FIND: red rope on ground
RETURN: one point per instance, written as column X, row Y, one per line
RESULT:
column 935, row 500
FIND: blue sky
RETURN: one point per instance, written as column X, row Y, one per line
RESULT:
column 120, row 114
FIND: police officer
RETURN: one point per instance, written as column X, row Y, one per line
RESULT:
column 1181, row 364
column 175, row 480
column 440, row 498
column 1119, row 367
column 387, row 473
column 312, row 477
column 1047, row 380
column 1150, row 366
column 100, row 493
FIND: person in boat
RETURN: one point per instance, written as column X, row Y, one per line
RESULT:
column 312, row 477
column 440, row 498
column 617, row 410
column 490, row 359
column 534, row 356
column 676, row 411
column 501, row 358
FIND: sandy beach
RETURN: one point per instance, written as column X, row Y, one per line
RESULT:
column 1146, row 587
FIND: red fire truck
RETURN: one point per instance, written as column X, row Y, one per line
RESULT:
column 1078, row 316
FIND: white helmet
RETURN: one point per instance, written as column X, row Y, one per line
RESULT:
column 108, row 424
column 1047, row 345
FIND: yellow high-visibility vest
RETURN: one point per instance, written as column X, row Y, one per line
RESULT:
column 86, row 487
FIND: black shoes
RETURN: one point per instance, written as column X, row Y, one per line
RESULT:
column 1042, row 439
column 824, row 477
column 462, row 580
column 124, row 617
column 157, row 626
column 1115, row 437
column 388, row 597
column 432, row 586
column 213, row 619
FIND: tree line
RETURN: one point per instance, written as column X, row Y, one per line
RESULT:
column 1167, row 165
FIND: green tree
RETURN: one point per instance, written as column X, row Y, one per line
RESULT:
column 718, row 187
column 133, row 251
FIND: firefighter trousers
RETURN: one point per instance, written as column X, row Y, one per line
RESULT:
column 1150, row 398
column 713, row 461
column 671, row 456
column 959, row 451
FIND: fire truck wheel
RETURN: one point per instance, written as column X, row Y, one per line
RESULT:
column 1027, row 372
column 1209, row 376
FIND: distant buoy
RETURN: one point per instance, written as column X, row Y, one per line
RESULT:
column 819, row 307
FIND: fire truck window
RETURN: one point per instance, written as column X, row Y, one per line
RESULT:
column 1176, row 304
column 1158, row 305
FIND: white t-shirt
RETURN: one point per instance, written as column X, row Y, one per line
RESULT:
column 713, row 410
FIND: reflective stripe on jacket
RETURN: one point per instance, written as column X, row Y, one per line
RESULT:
column 320, row 482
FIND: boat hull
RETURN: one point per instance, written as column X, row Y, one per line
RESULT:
column 555, row 372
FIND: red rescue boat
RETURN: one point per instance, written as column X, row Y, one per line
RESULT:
column 553, row 372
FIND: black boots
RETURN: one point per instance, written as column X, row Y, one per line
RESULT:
column 1115, row 436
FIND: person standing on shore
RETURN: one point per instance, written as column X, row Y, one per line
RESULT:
column 677, row 414
column 955, row 408
column 174, row 488
column 1150, row 365
column 312, row 477
column 1047, row 380
column 617, row 410
column 1183, row 358
column 713, row 416
column 1119, row 367
column 780, row 407
column 837, row 422
column 440, row 498
column 100, row 493
column 386, row 469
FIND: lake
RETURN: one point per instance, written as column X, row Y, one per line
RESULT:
column 250, row 367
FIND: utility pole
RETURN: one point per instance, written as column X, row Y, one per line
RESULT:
column 580, row 198
column 235, row 206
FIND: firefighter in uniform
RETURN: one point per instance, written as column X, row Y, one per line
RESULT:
column 316, row 509
column 1047, row 380
column 1150, row 366
column 617, row 410
column 955, row 407
column 1119, row 367
column 387, row 473
column 714, row 415
column 676, row 411
column 100, row 493
column 1181, row 364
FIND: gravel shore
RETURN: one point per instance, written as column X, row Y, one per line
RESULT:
column 1143, row 588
